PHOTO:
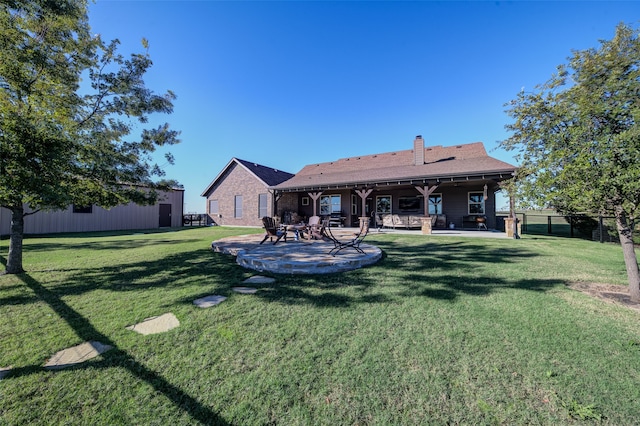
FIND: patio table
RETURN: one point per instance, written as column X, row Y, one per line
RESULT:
column 297, row 229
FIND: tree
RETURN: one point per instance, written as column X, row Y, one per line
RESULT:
column 578, row 139
column 65, row 140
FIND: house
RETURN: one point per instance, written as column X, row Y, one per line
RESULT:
column 240, row 196
column 166, row 213
column 454, row 185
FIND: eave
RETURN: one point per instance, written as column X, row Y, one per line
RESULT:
column 496, row 176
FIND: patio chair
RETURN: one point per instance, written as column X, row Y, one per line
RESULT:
column 353, row 241
column 272, row 230
column 314, row 228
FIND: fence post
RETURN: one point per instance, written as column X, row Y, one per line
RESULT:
column 601, row 228
column 571, row 225
column 549, row 225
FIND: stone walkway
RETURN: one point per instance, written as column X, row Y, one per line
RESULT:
column 76, row 354
column 159, row 324
column 154, row 325
column 294, row 257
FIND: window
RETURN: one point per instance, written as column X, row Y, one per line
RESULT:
column 237, row 210
column 213, row 207
column 383, row 204
column 354, row 204
column 262, row 205
column 330, row 204
column 435, row 204
column 82, row 209
column 305, row 201
column 476, row 203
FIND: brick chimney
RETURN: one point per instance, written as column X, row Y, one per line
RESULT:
column 418, row 151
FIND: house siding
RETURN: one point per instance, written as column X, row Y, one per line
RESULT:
column 236, row 180
column 456, row 207
column 123, row 217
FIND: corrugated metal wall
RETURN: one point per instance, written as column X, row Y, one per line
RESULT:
column 130, row 216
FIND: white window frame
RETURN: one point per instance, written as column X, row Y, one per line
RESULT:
column 237, row 207
column 326, row 208
column 472, row 202
column 263, row 205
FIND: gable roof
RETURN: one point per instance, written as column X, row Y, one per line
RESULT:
column 440, row 163
column 269, row 176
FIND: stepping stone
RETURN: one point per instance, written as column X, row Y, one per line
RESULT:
column 156, row 325
column 244, row 290
column 4, row 372
column 76, row 355
column 209, row 301
column 259, row 279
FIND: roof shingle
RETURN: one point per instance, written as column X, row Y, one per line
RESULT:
column 439, row 162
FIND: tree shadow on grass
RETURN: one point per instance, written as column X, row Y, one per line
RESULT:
column 115, row 357
column 172, row 271
column 433, row 269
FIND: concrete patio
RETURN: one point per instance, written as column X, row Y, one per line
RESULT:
column 294, row 257
column 312, row 256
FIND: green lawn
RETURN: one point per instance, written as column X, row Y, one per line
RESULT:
column 441, row 331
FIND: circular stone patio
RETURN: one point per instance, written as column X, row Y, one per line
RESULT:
column 294, row 257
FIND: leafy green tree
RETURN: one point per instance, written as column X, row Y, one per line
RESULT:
column 68, row 104
column 578, row 138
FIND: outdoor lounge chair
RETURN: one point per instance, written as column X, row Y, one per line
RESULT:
column 315, row 228
column 272, row 230
column 352, row 241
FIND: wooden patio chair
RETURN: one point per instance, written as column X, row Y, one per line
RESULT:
column 314, row 228
column 272, row 230
column 353, row 241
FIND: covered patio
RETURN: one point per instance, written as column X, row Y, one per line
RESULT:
column 451, row 186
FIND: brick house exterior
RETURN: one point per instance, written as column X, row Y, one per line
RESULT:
column 454, row 184
column 240, row 195
column 457, row 184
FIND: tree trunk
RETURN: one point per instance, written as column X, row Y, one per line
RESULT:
column 631, row 262
column 14, row 260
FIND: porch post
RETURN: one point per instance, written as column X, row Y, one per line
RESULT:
column 314, row 196
column 275, row 196
column 363, row 194
column 514, row 217
column 426, row 191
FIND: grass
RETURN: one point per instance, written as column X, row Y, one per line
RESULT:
column 441, row 331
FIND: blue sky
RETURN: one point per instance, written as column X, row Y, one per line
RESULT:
column 291, row 83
